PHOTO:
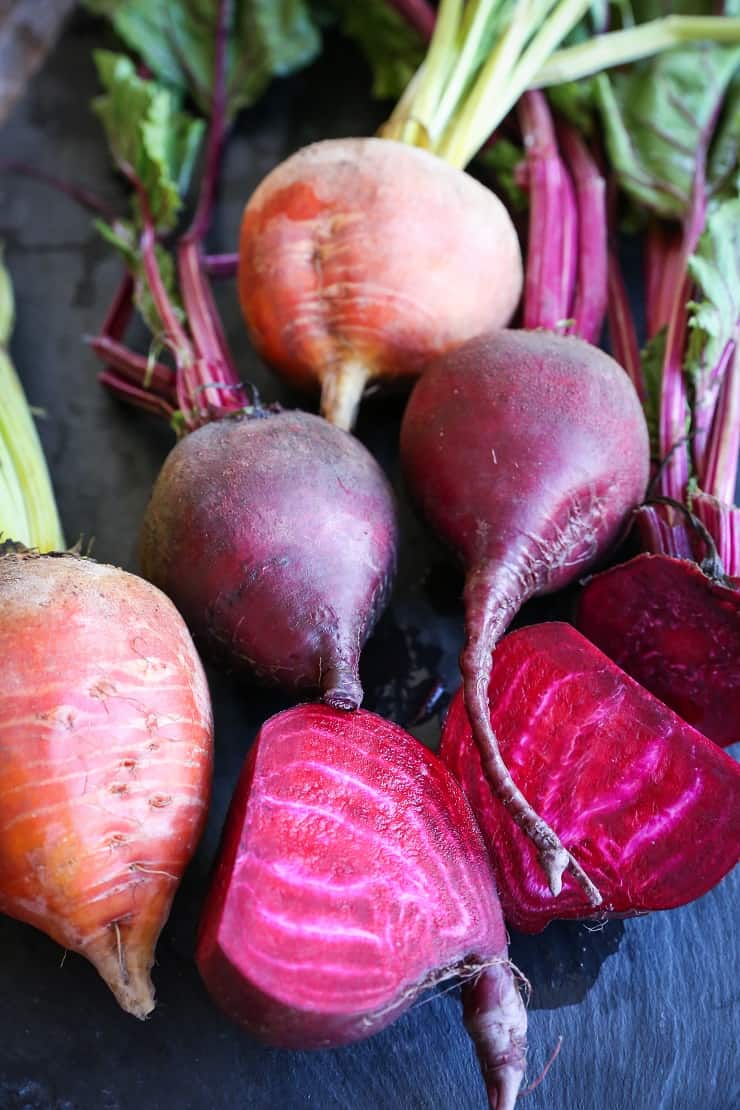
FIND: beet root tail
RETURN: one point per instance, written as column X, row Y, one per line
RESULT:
column 341, row 393
column 496, row 1021
column 340, row 685
column 486, row 619
column 124, row 963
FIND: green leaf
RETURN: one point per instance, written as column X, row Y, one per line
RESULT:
column 652, row 357
column 656, row 117
column 503, row 158
column 713, row 320
column 393, row 49
column 575, row 101
column 267, row 38
column 123, row 236
column 148, row 135
column 723, row 171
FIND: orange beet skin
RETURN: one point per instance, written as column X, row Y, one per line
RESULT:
column 105, row 760
column 362, row 258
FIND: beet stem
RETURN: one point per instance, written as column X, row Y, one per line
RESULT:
column 589, row 303
column 488, row 611
column 84, row 197
column 121, row 309
column 203, row 319
column 135, row 368
column 221, row 265
column 418, row 14
column 622, row 331
column 553, row 225
column 496, row 1021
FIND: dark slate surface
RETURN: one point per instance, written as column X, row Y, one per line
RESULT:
column 645, row 1008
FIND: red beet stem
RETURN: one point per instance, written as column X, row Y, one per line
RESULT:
column 134, row 368
column 203, row 320
column 496, row 1021
column 664, row 269
column 589, row 305
column 716, row 448
column 622, row 331
column 662, row 531
column 418, row 14
column 492, row 599
column 133, row 395
column 121, row 309
column 84, row 197
column 221, row 265
column 553, row 225
column 722, row 521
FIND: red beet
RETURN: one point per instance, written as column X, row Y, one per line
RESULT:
column 526, row 451
column 663, row 621
column 276, row 539
column 352, row 877
column 649, row 804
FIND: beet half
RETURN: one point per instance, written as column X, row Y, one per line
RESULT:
column 649, row 804
column 677, row 632
column 525, row 451
column 276, row 539
column 351, row 878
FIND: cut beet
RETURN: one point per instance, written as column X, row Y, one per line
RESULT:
column 352, row 877
column 663, row 621
column 651, row 806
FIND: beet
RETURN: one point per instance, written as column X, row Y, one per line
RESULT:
column 106, row 753
column 649, row 804
column 351, row 878
column 276, row 539
column 359, row 259
column 526, row 451
column 677, row 632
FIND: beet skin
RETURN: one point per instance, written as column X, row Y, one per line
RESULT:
column 276, row 539
column 677, row 632
column 351, row 878
column 526, row 452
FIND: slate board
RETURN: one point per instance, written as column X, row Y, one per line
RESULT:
column 645, row 1007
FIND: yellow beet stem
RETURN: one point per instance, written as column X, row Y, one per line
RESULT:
column 615, row 48
column 460, row 95
column 28, row 512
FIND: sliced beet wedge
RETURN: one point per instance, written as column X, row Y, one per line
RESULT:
column 649, row 804
column 352, row 877
column 677, row 632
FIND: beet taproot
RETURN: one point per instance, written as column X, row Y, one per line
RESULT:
column 650, row 806
column 351, row 878
column 525, row 451
column 276, row 539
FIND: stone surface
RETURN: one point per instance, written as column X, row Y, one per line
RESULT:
column 645, row 1008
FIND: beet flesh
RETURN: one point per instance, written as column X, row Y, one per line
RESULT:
column 352, row 877
column 651, row 806
column 276, row 539
column 525, row 451
column 360, row 259
column 675, row 631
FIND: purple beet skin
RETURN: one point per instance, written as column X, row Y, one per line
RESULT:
column 526, row 452
column 276, row 537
